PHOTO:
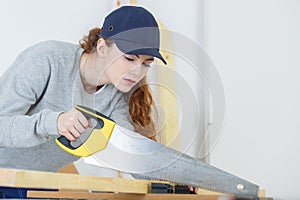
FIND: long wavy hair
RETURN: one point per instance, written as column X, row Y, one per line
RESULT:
column 140, row 100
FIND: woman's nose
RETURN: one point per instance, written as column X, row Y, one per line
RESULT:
column 139, row 70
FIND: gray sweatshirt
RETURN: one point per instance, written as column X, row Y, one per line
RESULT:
column 43, row 82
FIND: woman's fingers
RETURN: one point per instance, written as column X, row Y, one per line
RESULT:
column 72, row 123
column 74, row 132
column 82, row 120
column 68, row 135
column 193, row 189
column 91, row 125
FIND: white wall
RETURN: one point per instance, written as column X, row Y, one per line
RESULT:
column 24, row 23
column 255, row 45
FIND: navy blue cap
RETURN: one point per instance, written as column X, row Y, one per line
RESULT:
column 134, row 30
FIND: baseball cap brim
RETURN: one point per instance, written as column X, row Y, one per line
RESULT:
column 133, row 48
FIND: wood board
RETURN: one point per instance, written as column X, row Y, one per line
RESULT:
column 62, row 181
column 120, row 196
column 77, row 186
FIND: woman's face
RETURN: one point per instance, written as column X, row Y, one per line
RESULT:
column 124, row 70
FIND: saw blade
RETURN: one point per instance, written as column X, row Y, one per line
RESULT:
column 129, row 152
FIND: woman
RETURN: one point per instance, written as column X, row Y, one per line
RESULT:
column 107, row 72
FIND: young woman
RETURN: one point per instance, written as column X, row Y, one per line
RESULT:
column 106, row 72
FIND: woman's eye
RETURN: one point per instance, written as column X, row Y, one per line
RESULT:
column 129, row 59
column 146, row 65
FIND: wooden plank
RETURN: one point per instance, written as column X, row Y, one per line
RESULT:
column 133, row 2
column 261, row 192
column 76, row 184
column 62, row 181
column 120, row 196
column 68, row 169
column 167, row 97
column 112, row 196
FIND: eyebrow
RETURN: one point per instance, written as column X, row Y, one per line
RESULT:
column 150, row 59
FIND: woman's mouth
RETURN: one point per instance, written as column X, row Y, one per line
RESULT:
column 129, row 81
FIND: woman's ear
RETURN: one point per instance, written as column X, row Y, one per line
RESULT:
column 101, row 47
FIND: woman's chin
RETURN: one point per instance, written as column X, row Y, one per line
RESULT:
column 124, row 88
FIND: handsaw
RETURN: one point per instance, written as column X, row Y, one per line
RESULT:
column 112, row 146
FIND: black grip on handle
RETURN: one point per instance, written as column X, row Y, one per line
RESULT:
column 67, row 143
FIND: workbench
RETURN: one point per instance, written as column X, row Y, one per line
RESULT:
column 75, row 186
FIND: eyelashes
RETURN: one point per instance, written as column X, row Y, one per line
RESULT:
column 129, row 59
column 132, row 60
column 146, row 65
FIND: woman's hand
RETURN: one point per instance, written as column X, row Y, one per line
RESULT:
column 72, row 123
column 193, row 189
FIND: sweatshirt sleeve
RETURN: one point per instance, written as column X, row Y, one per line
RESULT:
column 21, row 87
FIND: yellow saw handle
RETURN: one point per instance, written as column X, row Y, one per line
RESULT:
column 97, row 139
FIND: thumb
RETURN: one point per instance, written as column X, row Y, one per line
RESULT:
column 91, row 125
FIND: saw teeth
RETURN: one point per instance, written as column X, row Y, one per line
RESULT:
column 144, row 177
column 175, row 183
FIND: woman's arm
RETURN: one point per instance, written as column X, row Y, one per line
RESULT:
column 21, row 87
